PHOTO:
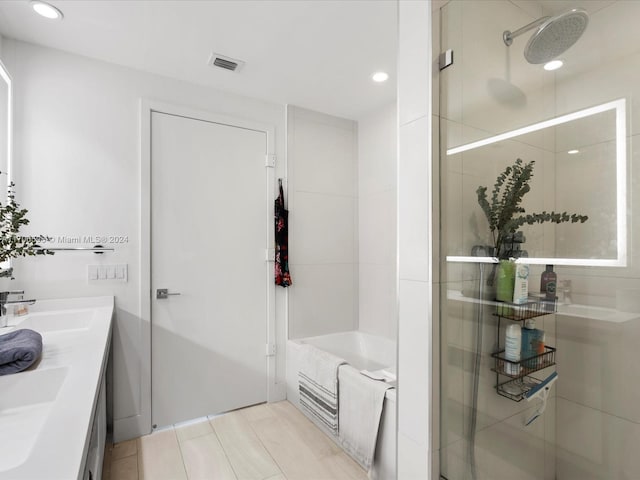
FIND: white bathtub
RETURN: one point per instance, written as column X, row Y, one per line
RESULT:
column 361, row 351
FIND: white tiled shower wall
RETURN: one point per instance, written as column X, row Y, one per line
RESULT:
column 504, row 448
column 590, row 428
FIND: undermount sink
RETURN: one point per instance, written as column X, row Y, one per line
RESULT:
column 25, row 404
column 56, row 321
column 35, row 387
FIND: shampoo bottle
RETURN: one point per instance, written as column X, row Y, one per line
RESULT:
column 513, row 345
column 532, row 344
column 521, row 284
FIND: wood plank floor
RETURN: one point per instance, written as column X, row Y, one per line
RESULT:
column 266, row 442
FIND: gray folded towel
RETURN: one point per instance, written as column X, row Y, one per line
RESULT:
column 19, row 350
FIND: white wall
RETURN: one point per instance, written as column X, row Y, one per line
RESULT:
column 323, row 234
column 415, row 337
column 77, row 170
column 377, row 165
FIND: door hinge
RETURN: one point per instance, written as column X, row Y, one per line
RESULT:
column 271, row 349
column 446, row 59
column 270, row 254
column 270, row 161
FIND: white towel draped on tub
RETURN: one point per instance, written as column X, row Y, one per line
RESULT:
column 318, row 386
column 361, row 402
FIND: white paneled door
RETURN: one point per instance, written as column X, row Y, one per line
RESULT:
column 208, row 242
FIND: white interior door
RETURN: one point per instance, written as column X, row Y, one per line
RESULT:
column 208, row 242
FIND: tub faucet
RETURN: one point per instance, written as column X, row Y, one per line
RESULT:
column 565, row 290
column 4, row 301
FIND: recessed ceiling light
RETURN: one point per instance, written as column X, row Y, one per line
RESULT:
column 573, row 152
column 380, row 77
column 46, row 10
column 553, row 65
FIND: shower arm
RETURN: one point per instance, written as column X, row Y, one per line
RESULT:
column 508, row 35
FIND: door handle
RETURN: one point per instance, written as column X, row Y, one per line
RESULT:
column 163, row 293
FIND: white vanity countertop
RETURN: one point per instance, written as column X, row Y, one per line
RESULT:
column 46, row 412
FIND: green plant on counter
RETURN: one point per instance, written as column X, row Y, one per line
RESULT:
column 13, row 245
column 503, row 211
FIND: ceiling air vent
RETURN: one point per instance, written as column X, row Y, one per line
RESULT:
column 228, row 63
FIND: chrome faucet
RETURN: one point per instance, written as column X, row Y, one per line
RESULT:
column 4, row 301
column 565, row 290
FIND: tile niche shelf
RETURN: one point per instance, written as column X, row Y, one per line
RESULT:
column 515, row 386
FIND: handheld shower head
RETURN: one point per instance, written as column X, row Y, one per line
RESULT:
column 553, row 36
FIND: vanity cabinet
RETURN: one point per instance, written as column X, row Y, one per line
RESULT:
column 98, row 437
column 57, row 428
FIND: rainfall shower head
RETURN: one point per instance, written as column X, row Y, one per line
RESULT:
column 553, row 36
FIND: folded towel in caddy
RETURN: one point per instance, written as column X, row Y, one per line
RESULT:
column 19, row 350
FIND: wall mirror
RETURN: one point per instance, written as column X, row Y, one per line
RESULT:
column 580, row 167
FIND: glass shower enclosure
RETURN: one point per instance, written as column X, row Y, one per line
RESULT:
column 561, row 143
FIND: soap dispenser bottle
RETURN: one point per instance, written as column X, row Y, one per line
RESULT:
column 548, row 281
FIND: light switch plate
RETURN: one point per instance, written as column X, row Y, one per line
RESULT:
column 92, row 272
column 99, row 273
column 121, row 272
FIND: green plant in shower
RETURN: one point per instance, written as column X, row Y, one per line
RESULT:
column 13, row 245
column 504, row 211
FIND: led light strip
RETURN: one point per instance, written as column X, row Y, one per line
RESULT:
column 616, row 104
